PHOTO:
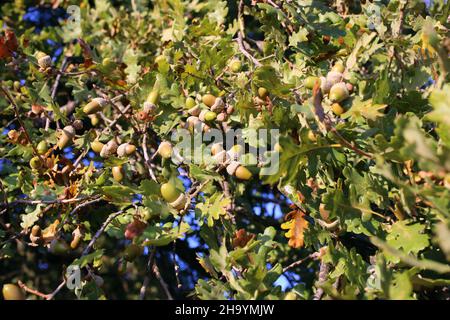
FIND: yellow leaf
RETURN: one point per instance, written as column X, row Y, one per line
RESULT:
column 296, row 225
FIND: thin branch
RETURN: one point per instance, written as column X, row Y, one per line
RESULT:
column 147, row 277
column 323, row 272
column 17, row 113
column 148, row 161
column 240, row 38
column 161, row 281
column 100, row 231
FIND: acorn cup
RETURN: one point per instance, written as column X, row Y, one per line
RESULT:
column 239, row 171
column 334, row 77
column 66, row 137
column 109, row 149
column 218, row 105
column 325, row 85
column 174, row 197
column 126, row 149
column 44, row 60
column 96, row 105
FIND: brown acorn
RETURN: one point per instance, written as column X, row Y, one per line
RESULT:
column 118, row 173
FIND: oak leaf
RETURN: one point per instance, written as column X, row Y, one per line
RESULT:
column 296, row 225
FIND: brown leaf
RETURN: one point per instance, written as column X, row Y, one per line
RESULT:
column 296, row 225
column 241, row 238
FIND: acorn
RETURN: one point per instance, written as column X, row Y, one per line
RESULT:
column 230, row 109
column 95, row 106
column 262, row 92
column 132, row 252
column 36, row 163
column 338, row 67
column 310, row 82
column 190, row 103
column 174, row 197
column 65, row 139
column 169, row 192
column 76, row 238
column 126, row 149
column 142, row 116
column 12, row 292
column 209, row 99
column 42, row 147
column 97, row 146
column 207, row 115
column 312, row 136
column 35, row 235
column 235, row 65
column 165, row 149
column 239, row 171
column 153, row 96
column 43, row 59
column 118, row 173
column 109, row 149
column 334, row 77
column 338, row 92
column 94, row 119
column 337, row 109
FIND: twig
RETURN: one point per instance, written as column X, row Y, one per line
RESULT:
column 313, row 255
column 32, row 291
column 16, row 111
column 147, row 159
column 323, row 272
column 55, row 88
column 161, row 281
column 57, row 201
column 318, row 109
column 147, row 277
column 100, row 231
column 240, row 38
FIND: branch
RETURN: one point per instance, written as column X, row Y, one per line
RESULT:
column 240, row 38
column 147, row 277
column 161, row 281
column 320, row 113
column 323, row 272
column 16, row 111
column 148, row 161
column 100, row 231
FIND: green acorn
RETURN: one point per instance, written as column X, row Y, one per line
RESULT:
column 310, row 82
column 235, row 66
column 338, row 92
column 42, row 147
column 65, row 139
column 95, row 106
